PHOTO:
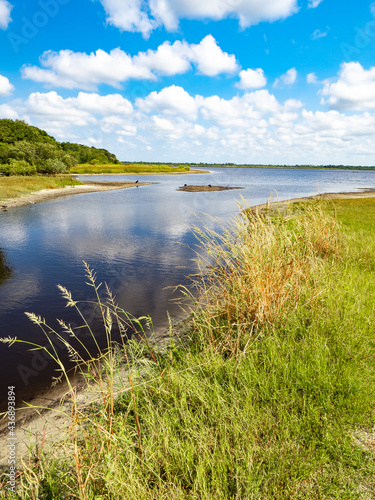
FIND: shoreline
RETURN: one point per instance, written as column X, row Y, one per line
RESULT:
column 87, row 187
column 188, row 172
column 48, row 414
column 51, row 418
column 364, row 193
column 51, row 194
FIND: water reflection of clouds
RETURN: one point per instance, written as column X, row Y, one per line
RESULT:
column 113, row 230
column 151, row 295
column 18, row 291
column 15, row 233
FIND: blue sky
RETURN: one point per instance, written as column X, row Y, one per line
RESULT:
column 242, row 81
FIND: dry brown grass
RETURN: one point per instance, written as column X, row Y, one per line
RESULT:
column 263, row 269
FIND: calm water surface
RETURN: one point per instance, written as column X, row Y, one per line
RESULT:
column 138, row 240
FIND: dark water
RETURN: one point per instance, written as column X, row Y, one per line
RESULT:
column 138, row 240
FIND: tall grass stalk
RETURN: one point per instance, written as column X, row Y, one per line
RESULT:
column 99, row 367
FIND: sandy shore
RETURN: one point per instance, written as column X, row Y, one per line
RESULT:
column 47, row 418
column 52, row 420
column 364, row 193
column 51, row 194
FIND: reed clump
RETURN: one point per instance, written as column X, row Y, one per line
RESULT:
column 261, row 268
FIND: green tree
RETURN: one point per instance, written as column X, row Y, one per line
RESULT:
column 25, row 149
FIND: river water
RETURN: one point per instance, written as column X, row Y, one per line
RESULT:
column 138, row 240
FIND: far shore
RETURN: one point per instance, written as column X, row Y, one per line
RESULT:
column 87, row 187
column 51, row 415
column 50, row 194
column 186, row 172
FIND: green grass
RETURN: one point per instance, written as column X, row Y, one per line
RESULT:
column 19, row 185
column 270, row 393
column 132, row 168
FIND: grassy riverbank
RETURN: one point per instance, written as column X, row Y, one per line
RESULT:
column 20, row 185
column 271, row 393
column 129, row 168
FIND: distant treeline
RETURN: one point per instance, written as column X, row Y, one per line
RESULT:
column 250, row 165
column 335, row 167
column 28, row 150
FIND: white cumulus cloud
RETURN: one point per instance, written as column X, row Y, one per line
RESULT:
column 87, row 71
column 80, row 70
column 54, row 107
column 7, row 111
column 6, row 88
column 169, row 59
column 210, row 59
column 292, row 104
column 335, row 124
column 77, row 111
column 238, row 111
column 171, row 100
column 252, row 79
column 112, row 104
column 5, row 10
column 89, row 115
column 288, row 78
column 174, row 59
column 353, row 90
column 129, row 15
column 144, row 16
column 312, row 78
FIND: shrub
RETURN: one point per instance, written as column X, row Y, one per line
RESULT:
column 52, row 166
column 4, row 169
column 17, row 167
column 69, row 160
